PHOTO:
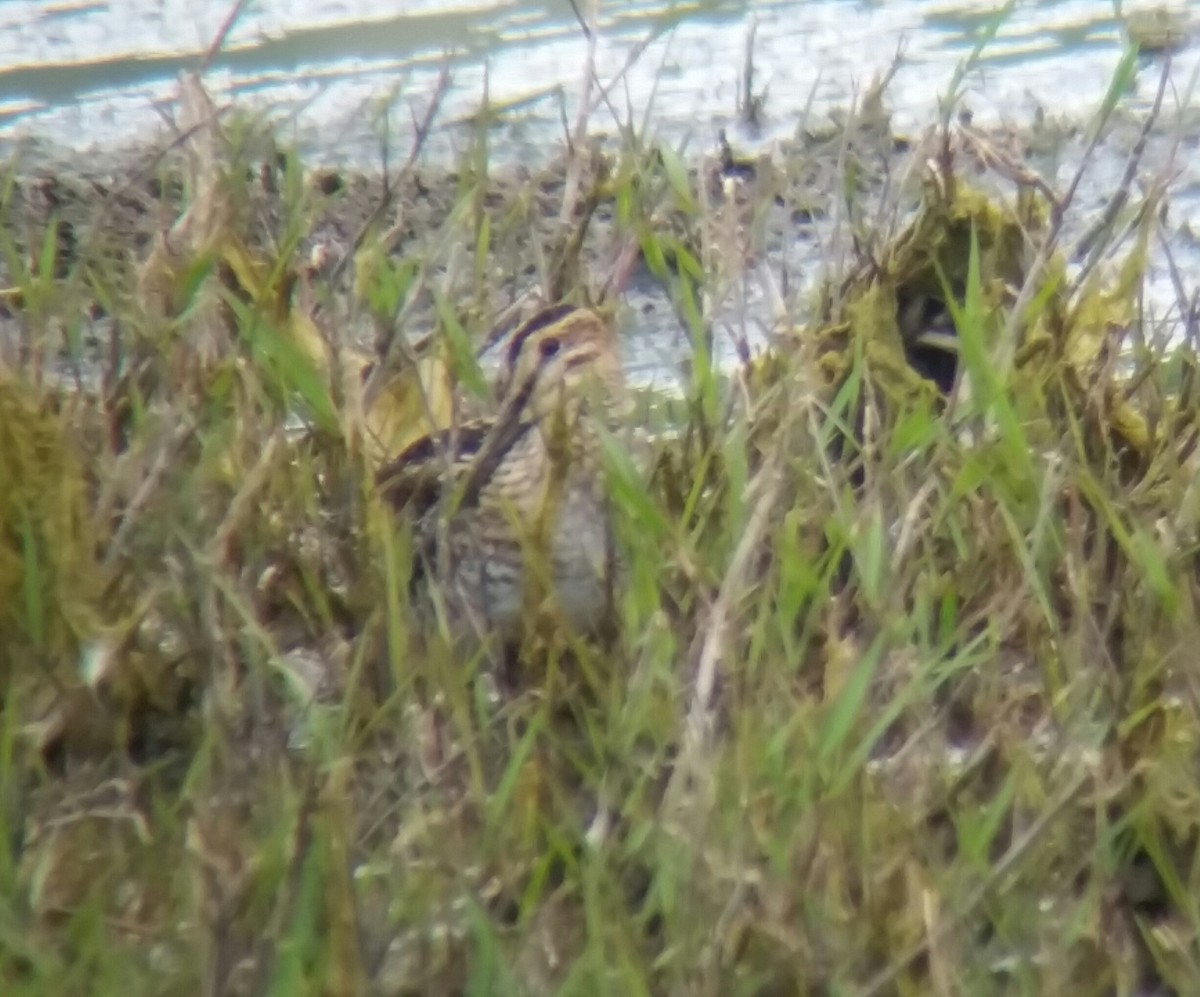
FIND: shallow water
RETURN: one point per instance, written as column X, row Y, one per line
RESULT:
column 342, row 74
column 80, row 72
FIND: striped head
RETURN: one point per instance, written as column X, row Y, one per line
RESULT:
column 560, row 359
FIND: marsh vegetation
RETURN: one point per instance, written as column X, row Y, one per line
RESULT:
column 899, row 696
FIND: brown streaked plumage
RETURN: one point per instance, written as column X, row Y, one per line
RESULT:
column 512, row 510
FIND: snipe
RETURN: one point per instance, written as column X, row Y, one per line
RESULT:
column 511, row 513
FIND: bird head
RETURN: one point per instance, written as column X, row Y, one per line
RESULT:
column 562, row 360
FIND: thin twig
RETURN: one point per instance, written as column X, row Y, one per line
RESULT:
column 218, row 42
column 1091, row 243
column 583, row 24
column 1033, row 277
column 423, row 126
column 181, row 433
column 576, row 141
column 242, row 504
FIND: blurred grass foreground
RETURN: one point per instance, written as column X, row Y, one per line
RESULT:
column 900, row 697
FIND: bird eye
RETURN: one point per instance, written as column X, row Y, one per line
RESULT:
column 549, row 348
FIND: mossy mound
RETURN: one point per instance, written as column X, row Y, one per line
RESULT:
column 48, row 577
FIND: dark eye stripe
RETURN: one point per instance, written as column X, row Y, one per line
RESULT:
column 546, row 317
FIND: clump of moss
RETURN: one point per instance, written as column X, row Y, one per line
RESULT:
column 48, row 577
